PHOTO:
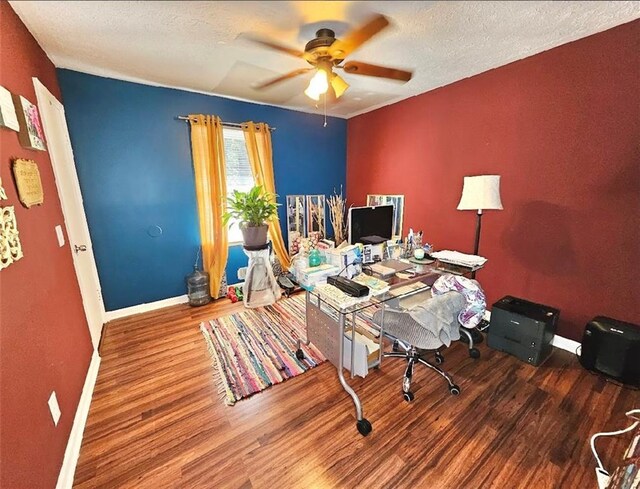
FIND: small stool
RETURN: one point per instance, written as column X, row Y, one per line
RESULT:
column 260, row 285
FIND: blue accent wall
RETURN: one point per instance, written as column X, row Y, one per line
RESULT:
column 134, row 165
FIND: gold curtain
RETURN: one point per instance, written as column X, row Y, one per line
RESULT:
column 207, row 148
column 258, row 140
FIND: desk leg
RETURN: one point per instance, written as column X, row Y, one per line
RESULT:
column 353, row 343
column 384, row 307
column 363, row 425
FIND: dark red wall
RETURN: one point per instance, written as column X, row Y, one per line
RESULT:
column 563, row 130
column 44, row 339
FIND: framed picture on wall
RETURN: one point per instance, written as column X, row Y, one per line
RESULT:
column 398, row 210
column 8, row 116
column 296, row 221
column 31, row 135
column 316, row 215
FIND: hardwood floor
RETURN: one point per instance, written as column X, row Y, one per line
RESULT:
column 157, row 420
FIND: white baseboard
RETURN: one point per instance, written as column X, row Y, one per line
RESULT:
column 558, row 341
column 149, row 306
column 72, row 452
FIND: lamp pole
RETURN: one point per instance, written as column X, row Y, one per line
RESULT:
column 476, row 246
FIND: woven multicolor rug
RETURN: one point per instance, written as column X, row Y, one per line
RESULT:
column 256, row 348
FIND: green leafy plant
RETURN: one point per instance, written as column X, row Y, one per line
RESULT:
column 252, row 208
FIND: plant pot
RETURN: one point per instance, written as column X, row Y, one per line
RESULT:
column 254, row 235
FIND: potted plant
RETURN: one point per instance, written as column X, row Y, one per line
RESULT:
column 252, row 209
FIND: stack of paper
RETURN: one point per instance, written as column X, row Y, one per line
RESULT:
column 376, row 286
column 457, row 258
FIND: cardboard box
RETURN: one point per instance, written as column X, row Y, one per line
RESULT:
column 366, row 352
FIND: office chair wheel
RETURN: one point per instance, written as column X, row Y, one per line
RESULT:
column 364, row 427
column 454, row 390
column 439, row 358
column 395, row 347
column 408, row 396
column 299, row 354
column 474, row 353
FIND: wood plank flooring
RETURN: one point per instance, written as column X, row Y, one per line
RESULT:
column 157, row 420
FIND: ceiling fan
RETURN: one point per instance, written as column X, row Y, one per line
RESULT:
column 326, row 53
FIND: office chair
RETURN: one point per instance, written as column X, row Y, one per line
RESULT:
column 468, row 334
column 474, row 309
column 419, row 325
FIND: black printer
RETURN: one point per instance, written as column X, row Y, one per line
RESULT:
column 523, row 329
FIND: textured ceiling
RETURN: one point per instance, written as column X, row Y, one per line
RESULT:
column 196, row 45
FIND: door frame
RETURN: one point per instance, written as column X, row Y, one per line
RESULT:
column 43, row 94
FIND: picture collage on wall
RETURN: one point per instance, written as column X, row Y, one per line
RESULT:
column 306, row 218
column 20, row 115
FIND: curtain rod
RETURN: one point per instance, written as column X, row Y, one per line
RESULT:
column 226, row 124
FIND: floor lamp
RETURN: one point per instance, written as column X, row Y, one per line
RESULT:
column 480, row 193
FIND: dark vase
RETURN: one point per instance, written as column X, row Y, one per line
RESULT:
column 254, row 236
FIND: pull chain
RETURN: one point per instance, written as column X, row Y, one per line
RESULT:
column 325, row 110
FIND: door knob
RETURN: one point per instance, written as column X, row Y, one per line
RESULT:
column 77, row 248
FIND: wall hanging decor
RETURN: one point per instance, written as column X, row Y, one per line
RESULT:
column 8, row 116
column 10, row 247
column 296, row 221
column 316, row 215
column 398, row 210
column 28, row 182
column 31, row 135
column 3, row 194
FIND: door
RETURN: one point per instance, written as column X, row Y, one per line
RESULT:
column 64, row 170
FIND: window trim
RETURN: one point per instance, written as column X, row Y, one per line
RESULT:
column 236, row 130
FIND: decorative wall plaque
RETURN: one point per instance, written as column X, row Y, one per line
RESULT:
column 31, row 135
column 28, row 182
column 10, row 247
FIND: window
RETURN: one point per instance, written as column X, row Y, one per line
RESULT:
column 239, row 176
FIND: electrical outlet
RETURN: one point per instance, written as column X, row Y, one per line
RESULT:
column 242, row 273
column 54, row 408
column 60, row 235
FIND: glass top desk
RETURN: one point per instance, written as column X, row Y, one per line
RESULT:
column 326, row 322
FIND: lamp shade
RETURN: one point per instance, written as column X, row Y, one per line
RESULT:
column 480, row 192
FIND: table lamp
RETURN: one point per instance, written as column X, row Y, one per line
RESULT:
column 480, row 193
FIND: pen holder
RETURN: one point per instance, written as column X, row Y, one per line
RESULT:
column 407, row 252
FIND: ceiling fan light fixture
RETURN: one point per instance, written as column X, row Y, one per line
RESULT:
column 318, row 85
column 339, row 85
column 325, row 53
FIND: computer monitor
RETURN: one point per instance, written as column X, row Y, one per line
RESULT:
column 370, row 221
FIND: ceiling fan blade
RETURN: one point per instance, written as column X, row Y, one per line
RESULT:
column 359, row 68
column 355, row 38
column 273, row 45
column 282, row 78
column 339, row 85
